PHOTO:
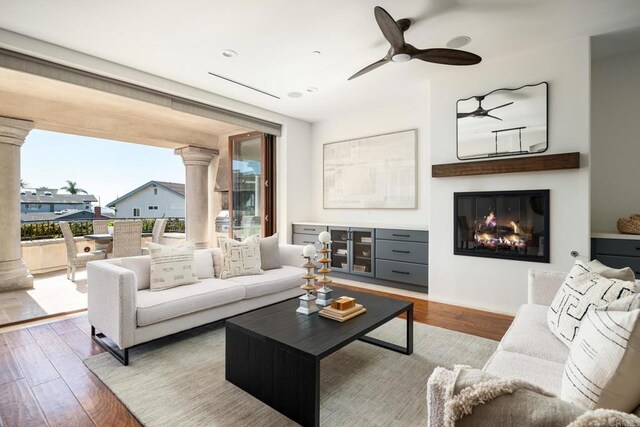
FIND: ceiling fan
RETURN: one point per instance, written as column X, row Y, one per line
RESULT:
column 400, row 51
column 481, row 112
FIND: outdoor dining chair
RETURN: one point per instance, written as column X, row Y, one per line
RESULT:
column 75, row 259
column 101, row 226
column 127, row 239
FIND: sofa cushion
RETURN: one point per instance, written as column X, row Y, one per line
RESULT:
column 203, row 259
column 217, row 261
column 172, row 266
column 582, row 290
column 141, row 267
column 271, row 281
column 530, row 335
column 541, row 372
column 270, row 252
column 240, row 258
column 154, row 307
column 602, row 369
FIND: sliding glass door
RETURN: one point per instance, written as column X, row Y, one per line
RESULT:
column 252, row 195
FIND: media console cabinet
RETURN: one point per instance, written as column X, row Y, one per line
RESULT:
column 617, row 250
column 392, row 256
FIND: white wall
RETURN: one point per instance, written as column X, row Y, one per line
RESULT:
column 405, row 111
column 501, row 285
column 294, row 157
column 615, row 140
column 170, row 204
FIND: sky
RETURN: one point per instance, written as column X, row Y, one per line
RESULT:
column 106, row 169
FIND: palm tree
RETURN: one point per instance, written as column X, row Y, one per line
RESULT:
column 72, row 188
column 23, row 184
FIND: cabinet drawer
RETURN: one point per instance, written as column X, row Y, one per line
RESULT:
column 621, row 262
column 309, row 229
column 618, row 247
column 402, row 251
column 406, row 235
column 306, row 239
column 405, row 272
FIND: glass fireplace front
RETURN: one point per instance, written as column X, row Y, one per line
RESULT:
column 505, row 224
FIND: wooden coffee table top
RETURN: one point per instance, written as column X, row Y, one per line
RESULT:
column 315, row 336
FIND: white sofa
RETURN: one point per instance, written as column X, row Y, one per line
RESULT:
column 122, row 308
column 528, row 351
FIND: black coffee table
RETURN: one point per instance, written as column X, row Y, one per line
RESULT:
column 274, row 353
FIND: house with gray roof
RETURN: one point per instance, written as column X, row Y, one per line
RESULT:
column 154, row 199
column 49, row 200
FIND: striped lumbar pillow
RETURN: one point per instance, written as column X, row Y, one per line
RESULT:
column 603, row 368
column 582, row 289
column 240, row 258
column 172, row 266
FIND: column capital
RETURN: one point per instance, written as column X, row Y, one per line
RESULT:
column 14, row 131
column 196, row 156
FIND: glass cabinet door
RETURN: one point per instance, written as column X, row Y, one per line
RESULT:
column 362, row 243
column 340, row 249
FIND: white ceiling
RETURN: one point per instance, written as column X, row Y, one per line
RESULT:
column 275, row 39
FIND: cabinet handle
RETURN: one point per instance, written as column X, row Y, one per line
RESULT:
column 400, row 252
column 400, row 272
column 308, row 242
column 309, row 229
column 400, row 235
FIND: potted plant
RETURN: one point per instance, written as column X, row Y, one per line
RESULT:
column 110, row 227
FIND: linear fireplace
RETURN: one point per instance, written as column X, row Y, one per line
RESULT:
column 502, row 224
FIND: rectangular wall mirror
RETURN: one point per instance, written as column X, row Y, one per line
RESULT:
column 504, row 122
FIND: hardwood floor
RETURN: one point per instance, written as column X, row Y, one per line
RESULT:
column 43, row 381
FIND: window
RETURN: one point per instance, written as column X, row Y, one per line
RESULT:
column 155, row 191
column 136, row 212
column 153, row 208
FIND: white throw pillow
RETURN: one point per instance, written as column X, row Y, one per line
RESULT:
column 270, row 252
column 172, row 266
column 581, row 290
column 603, row 368
column 204, row 263
column 240, row 258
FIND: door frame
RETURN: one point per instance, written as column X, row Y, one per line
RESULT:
column 268, row 178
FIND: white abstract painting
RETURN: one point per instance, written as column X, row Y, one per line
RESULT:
column 377, row 172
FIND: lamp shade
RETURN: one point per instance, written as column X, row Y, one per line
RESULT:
column 309, row 250
column 324, row 237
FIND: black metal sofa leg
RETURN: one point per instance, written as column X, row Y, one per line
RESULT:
column 122, row 355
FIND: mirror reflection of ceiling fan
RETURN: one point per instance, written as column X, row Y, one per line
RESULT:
column 400, row 51
column 480, row 113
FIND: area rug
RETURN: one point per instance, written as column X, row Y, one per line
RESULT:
column 180, row 380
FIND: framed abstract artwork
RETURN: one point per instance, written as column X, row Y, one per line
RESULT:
column 376, row 172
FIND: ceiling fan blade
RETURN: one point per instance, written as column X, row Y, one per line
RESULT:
column 463, row 115
column 493, row 117
column 447, row 56
column 389, row 28
column 499, row 106
column 370, row 67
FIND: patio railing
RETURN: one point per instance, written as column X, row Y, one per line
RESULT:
column 51, row 229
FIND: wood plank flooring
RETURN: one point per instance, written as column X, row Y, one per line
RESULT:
column 43, row 381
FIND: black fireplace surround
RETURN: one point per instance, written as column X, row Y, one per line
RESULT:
column 502, row 224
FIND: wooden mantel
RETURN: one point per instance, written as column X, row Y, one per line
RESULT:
column 512, row 165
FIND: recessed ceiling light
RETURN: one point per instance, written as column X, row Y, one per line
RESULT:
column 312, row 89
column 294, row 95
column 228, row 53
column 458, row 42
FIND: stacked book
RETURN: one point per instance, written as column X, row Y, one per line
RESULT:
column 343, row 308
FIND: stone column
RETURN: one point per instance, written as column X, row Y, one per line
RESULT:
column 196, row 162
column 14, row 274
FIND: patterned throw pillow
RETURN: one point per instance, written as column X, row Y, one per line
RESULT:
column 603, row 367
column 172, row 266
column 581, row 290
column 240, row 258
